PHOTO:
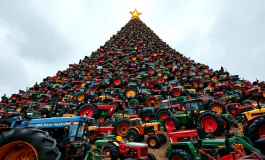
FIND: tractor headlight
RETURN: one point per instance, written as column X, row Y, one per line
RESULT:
column 195, row 111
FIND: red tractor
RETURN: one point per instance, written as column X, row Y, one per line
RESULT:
column 97, row 111
column 236, row 109
column 94, row 133
column 121, row 149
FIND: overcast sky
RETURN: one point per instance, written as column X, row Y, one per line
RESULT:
column 40, row 37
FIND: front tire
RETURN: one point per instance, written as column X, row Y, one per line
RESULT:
column 153, row 142
column 133, row 136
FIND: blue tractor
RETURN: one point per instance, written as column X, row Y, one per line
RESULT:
column 44, row 139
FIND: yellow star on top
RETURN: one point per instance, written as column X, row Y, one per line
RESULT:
column 135, row 14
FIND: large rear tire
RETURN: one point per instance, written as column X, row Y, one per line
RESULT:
column 28, row 142
column 179, row 154
column 257, row 129
column 122, row 127
column 111, row 150
column 211, row 122
column 90, row 109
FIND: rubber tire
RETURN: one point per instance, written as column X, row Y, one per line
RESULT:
column 135, row 134
column 217, row 103
column 228, row 124
column 151, row 156
column 121, row 84
column 136, row 103
column 94, row 108
column 113, row 151
column 181, row 153
column 218, row 119
column 176, row 122
column 85, row 97
column 157, row 139
column 245, row 130
column 130, row 88
column 254, row 128
column 163, row 111
column 172, row 92
column 145, row 115
column 45, row 145
column 163, row 138
column 121, row 121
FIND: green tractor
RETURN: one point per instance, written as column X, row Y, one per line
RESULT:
column 194, row 145
column 193, row 114
column 162, row 110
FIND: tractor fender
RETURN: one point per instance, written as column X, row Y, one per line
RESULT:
column 136, row 129
column 254, row 118
column 159, row 110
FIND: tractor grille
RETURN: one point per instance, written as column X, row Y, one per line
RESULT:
column 144, row 152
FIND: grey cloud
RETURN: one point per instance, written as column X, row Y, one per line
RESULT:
column 43, row 42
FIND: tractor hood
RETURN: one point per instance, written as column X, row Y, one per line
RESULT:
column 135, row 144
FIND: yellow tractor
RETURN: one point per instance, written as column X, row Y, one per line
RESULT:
column 135, row 129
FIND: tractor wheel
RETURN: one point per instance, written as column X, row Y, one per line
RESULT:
column 171, row 122
column 28, row 143
column 257, row 129
column 163, row 138
column 81, row 97
column 162, row 115
column 226, row 121
column 122, row 127
column 130, row 92
column 118, row 82
column 151, row 100
column 117, row 104
column 233, row 110
column 176, row 92
column 153, row 141
column 147, row 117
column 210, row 122
column 91, row 109
column 245, row 130
column 151, row 156
column 179, row 154
column 133, row 136
column 217, row 107
column 133, row 103
column 111, row 150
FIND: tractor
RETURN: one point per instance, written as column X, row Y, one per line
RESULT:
column 253, row 122
column 94, row 132
column 40, row 138
column 161, row 110
column 193, row 115
column 97, row 111
column 196, row 144
column 118, row 148
column 134, row 130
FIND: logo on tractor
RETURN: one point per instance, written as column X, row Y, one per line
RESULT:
column 50, row 124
